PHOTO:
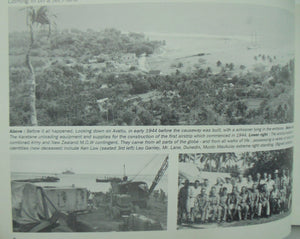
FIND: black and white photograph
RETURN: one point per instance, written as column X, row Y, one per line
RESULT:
column 89, row 193
column 163, row 63
column 234, row 189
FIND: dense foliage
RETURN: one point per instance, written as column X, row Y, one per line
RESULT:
column 245, row 163
column 76, row 68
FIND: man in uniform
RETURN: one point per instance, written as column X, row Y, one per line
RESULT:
column 193, row 192
column 249, row 182
column 284, row 199
column 284, row 179
column 233, row 204
column 206, row 185
column 213, row 204
column 270, row 183
column 264, row 180
column 264, row 202
column 182, row 202
column 228, row 184
column 240, row 182
column 201, row 204
column 275, row 202
column 223, row 205
column 219, row 185
column 243, row 203
column 258, row 178
column 254, row 199
column 277, row 179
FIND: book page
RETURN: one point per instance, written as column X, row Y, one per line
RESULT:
column 147, row 118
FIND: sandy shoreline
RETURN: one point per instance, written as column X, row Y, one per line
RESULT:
column 239, row 50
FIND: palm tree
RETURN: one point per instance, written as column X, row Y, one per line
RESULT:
column 36, row 17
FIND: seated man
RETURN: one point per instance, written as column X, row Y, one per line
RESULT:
column 243, row 203
column 213, row 204
column 200, row 208
column 284, row 199
column 275, row 200
column 253, row 200
column 233, row 204
column 264, row 202
column 223, row 205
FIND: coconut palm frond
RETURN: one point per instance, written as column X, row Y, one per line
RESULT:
column 30, row 15
column 42, row 16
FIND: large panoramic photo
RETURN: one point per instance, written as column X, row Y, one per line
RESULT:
column 150, row 64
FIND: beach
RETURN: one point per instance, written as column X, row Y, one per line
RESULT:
column 203, row 50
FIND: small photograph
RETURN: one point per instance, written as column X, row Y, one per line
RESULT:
column 89, row 193
column 233, row 189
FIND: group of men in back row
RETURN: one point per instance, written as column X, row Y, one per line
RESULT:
column 236, row 198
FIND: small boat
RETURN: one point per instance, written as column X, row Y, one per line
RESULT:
column 68, row 172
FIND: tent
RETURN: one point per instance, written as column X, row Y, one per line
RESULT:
column 40, row 209
column 29, row 204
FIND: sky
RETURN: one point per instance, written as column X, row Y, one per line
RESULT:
column 200, row 18
column 80, row 163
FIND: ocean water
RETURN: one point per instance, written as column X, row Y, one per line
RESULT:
column 88, row 180
column 239, row 50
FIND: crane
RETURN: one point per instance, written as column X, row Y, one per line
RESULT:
column 159, row 175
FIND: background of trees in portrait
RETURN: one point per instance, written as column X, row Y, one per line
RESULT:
column 67, row 87
column 245, row 163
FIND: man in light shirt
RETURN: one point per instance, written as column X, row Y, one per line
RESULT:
column 228, row 184
column 249, row 182
column 270, row 182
